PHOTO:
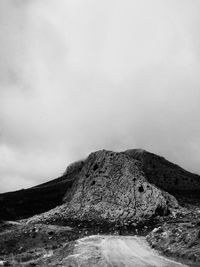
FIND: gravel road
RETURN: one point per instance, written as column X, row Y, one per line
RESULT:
column 116, row 251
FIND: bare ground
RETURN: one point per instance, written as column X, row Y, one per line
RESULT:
column 116, row 251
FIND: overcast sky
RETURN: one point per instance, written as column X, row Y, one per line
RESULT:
column 82, row 75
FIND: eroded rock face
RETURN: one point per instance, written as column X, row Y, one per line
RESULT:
column 112, row 188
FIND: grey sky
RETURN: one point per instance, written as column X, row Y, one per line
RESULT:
column 82, row 75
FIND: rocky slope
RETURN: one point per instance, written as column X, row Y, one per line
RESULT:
column 157, row 170
column 165, row 174
column 178, row 235
column 111, row 188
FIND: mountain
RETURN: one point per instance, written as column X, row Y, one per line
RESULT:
column 111, row 188
column 157, row 170
column 120, row 193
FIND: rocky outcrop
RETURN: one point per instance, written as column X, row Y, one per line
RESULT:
column 74, row 167
column 112, row 188
column 178, row 239
column 138, row 172
column 165, row 174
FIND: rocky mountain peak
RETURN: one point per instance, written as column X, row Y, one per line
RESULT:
column 111, row 187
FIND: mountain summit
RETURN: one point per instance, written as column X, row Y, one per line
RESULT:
column 111, row 188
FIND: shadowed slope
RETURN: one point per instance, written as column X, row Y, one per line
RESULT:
column 165, row 174
column 28, row 202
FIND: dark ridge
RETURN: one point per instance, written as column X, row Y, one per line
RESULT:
column 28, row 202
column 165, row 174
column 25, row 203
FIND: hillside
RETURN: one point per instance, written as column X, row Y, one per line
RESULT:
column 165, row 174
column 111, row 188
column 119, row 193
column 159, row 171
column 28, row 202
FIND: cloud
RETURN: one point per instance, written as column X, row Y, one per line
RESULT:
column 77, row 76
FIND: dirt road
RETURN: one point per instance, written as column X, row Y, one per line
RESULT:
column 116, row 251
